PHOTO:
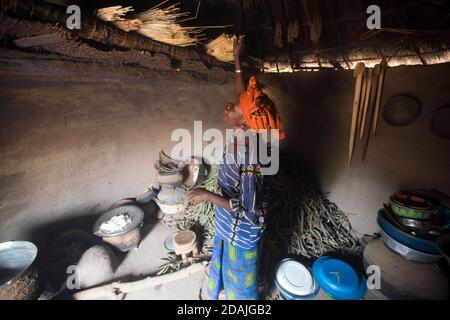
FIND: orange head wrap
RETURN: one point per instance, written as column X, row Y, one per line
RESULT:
column 259, row 111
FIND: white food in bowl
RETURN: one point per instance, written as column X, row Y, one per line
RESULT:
column 116, row 223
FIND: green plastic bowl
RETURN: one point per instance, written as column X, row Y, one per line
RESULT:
column 410, row 213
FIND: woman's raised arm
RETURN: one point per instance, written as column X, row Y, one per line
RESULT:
column 237, row 50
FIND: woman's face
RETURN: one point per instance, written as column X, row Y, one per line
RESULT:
column 232, row 115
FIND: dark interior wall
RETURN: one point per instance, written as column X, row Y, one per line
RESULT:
column 317, row 108
column 75, row 138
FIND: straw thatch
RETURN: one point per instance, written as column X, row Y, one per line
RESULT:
column 288, row 35
column 116, row 14
column 396, row 53
column 158, row 23
column 335, row 35
column 113, row 13
column 104, row 33
column 314, row 19
column 222, row 48
column 163, row 24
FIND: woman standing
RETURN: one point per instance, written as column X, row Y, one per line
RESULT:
column 241, row 203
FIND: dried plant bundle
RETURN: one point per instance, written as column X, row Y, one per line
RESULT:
column 163, row 24
column 128, row 25
column 113, row 13
column 314, row 18
column 222, row 47
column 116, row 15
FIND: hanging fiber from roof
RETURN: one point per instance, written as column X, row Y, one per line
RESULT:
column 113, row 13
column 163, row 24
column 278, row 36
column 314, row 19
column 293, row 31
column 222, row 48
column 116, row 14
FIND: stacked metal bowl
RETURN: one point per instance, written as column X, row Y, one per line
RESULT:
column 409, row 226
column 413, row 211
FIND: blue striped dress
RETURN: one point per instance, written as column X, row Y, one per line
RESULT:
column 234, row 262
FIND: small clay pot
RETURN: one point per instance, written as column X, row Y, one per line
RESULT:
column 127, row 241
column 185, row 243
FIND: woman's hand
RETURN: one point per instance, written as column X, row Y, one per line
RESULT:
column 199, row 195
column 238, row 46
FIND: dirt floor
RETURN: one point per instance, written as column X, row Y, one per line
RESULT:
column 145, row 261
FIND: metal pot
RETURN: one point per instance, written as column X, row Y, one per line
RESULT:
column 443, row 245
column 409, row 212
column 407, row 252
column 19, row 275
column 414, row 224
column 15, row 258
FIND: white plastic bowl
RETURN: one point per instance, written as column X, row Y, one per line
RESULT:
column 295, row 279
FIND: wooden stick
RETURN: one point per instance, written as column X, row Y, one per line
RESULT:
column 366, row 103
column 116, row 288
column 379, row 95
column 358, row 73
column 375, row 76
column 363, row 97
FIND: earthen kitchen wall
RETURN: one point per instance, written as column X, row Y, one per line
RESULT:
column 318, row 108
column 74, row 139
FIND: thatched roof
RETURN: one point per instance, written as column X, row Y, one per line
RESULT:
column 333, row 33
column 281, row 35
